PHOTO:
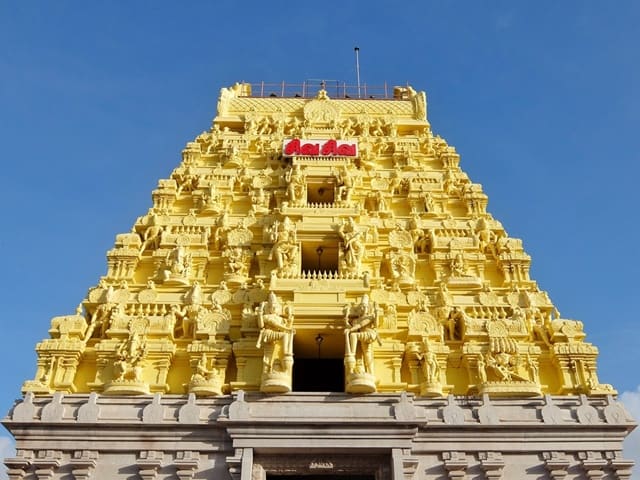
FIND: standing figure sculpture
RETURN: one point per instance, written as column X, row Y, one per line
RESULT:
column 296, row 186
column 361, row 322
column 285, row 247
column 352, row 244
column 276, row 336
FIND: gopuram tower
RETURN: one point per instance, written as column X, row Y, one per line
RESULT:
column 317, row 292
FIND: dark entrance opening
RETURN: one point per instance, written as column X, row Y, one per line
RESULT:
column 321, row 477
column 319, row 375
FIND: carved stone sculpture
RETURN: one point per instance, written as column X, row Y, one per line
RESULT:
column 361, row 323
column 276, row 338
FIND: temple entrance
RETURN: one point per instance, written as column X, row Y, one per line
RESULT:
column 318, row 375
column 321, row 477
column 322, row 466
column 318, row 362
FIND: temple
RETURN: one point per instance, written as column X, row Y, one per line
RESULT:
column 318, row 292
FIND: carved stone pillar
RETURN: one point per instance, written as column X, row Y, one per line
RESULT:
column 556, row 464
column 620, row 466
column 45, row 463
column 492, row 464
column 404, row 466
column 18, row 465
column 83, row 462
column 593, row 464
column 149, row 462
column 186, row 464
column 455, row 463
column 241, row 464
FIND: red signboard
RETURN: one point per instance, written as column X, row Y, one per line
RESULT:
column 319, row 148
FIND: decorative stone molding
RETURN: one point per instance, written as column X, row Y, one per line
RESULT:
column 492, row 464
column 593, row 464
column 83, row 462
column 45, row 463
column 17, row 466
column 234, row 464
column 556, row 464
column 25, row 411
column 587, row 414
column 404, row 410
column 487, row 414
column 53, row 411
column 90, row 411
column 456, row 464
column 190, row 412
column 148, row 463
column 621, row 467
column 452, row 414
column 154, row 412
column 186, row 463
column 551, row 413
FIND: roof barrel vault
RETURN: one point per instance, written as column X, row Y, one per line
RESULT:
column 322, row 241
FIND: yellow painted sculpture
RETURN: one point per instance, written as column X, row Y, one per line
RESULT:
column 348, row 212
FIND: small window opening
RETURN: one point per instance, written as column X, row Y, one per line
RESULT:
column 320, row 257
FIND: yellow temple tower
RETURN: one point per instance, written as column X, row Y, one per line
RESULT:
column 317, row 292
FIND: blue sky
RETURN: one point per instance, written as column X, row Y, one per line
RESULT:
column 541, row 99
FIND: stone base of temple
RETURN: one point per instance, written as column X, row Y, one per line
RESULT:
column 258, row 436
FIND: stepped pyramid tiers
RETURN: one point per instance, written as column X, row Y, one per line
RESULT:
column 318, row 244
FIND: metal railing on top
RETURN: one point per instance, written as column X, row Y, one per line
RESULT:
column 334, row 89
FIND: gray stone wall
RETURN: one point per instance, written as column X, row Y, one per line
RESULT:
column 248, row 436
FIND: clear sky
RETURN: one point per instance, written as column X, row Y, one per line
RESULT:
column 541, row 99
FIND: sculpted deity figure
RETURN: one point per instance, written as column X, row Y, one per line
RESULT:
column 129, row 356
column 153, row 234
column 211, row 201
column 345, row 183
column 429, row 204
column 223, row 227
column 276, row 327
column 486, row 238
column 236, row 264
column 260, row 200
column 202, row 373
column 296, row 186
column 191, row 314
column 379, row 202
column 177, row 264
column 421, row 243
column 504, row 366
column 454, row 323
column 352, row 244
column 458, row 266
column 285, row 246
column 101, row 316
column 430, row 367
column 419, row 101
column 361, row 323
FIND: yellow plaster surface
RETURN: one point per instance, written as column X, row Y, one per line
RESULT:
column 250, row 258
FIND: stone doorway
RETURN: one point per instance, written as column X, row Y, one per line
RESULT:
column 322, row 466
column 320, row 477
